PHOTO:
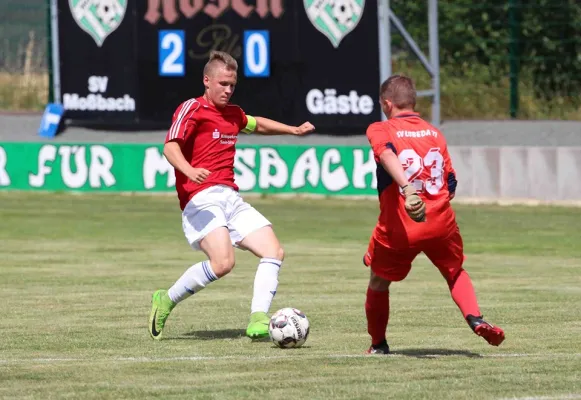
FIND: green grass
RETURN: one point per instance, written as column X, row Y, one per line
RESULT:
column 77, row 273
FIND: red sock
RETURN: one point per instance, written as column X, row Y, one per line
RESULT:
column 377, row 311
column 463, row 294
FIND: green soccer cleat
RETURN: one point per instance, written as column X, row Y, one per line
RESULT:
column 258, row 326
column 161, row 306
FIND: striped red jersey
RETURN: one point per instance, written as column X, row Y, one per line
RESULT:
column 207, row 136
column 423, row 152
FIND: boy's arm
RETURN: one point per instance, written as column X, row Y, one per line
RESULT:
column 390, row 162
column 265, row 126
column 183, row 125
column 173, row 152
column 414, row 205
column 384, row 150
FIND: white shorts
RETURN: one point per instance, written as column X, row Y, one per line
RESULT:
column 218, row 206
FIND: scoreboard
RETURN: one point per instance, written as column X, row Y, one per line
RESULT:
column 133, row 62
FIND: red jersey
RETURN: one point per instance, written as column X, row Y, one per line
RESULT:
column 207, row 136
column 423, row 152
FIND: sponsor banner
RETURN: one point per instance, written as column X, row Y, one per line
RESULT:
column 325, row 170
column 98, row 62
column 483, row 172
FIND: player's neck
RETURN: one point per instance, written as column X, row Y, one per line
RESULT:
column 209, row 101
column 401, row 111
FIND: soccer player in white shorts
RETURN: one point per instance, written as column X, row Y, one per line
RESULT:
column 200, row 145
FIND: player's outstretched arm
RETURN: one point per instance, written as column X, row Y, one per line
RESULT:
column 414, row 205
column 173, row 152
column 265, row 126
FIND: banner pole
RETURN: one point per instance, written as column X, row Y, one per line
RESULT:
column 54, row 36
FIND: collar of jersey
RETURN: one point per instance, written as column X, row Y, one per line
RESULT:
column 205, row 103
column 407, row 115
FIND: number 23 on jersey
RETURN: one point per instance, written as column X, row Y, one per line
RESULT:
column 424, row 173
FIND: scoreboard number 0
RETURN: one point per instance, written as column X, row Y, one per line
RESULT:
column 256, row 54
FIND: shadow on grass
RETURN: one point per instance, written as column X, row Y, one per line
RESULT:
column 435, row 353
column 212, row 335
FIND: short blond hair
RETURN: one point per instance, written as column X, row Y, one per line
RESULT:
column 400, row 90
column 220, row 58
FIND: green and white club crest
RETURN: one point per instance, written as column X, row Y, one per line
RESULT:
column 335, row 18
column 99, row 18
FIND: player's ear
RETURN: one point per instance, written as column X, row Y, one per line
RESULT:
column 206, row 81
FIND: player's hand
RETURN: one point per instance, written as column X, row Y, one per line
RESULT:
column 414, row 205
column 305, row 128
column 199, row 175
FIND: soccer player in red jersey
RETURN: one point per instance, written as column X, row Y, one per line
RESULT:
column 416, row 182
column 200, row 145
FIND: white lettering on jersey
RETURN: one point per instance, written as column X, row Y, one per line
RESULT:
column 417, row 134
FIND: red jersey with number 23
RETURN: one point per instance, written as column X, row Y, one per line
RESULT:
column 423, row 152
column 207, row 136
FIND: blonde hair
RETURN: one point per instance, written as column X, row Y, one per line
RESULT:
column 220, row 57
column 400, row 90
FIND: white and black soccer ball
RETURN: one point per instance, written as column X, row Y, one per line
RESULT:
column 288, row 328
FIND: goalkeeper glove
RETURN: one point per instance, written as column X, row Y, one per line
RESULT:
column 414, row 205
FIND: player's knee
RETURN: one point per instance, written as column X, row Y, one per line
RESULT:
column 223, row 265
column 378, row 284
column 452, row 274
column 280, row 253
column 274, row 251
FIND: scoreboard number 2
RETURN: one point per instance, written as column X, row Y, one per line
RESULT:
column 171, row 53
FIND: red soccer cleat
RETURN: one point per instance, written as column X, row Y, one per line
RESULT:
column 492, row 334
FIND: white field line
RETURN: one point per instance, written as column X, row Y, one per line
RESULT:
column 281, row 357
column 559, row 397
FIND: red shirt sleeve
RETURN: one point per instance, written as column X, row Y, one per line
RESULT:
column 379, row 136
column 448, row 168
column 183, row 121
column 243, row 119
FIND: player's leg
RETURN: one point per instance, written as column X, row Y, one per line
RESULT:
column 387, row 265
column 377, row 313
column 217, row 247
column 251, row 231
column 205, row 229
column 448, row 256
column 264, row 244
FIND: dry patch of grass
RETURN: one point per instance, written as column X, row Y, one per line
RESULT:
column 20, row 92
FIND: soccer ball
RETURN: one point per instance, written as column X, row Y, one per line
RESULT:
column 343, row 11
column 288, row 328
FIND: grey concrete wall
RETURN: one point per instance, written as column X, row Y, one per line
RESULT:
column 518, row 172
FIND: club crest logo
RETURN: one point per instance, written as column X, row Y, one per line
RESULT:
column 99, row 18
column 334, row 18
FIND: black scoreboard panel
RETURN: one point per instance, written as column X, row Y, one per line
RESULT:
column 300, row 60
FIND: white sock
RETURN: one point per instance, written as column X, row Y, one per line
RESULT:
column 197, row 277
column 265, row 284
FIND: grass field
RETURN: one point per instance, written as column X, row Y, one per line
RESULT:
column 77, row 273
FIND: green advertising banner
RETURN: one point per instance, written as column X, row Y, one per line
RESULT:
column 324, row 170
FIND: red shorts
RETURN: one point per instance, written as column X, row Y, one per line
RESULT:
column 394, row 264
